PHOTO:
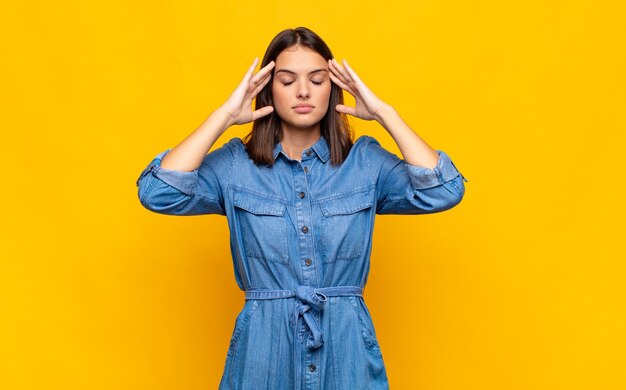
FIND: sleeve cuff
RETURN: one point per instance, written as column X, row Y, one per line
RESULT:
column 422, row 178
column 183, row 181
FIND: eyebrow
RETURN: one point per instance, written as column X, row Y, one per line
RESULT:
column 292, row 72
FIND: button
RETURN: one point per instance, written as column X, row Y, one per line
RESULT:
column 308, row 152
column 306, row 169
column 312, row 367
column 301, row 195
column 308, row 262
column 305, row 229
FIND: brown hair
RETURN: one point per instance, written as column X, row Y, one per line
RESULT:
column 266, row 131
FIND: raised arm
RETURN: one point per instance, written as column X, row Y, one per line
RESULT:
column 185, row 180
column 426, row 180
column 402, row 188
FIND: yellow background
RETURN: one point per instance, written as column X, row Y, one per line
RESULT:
column 521, row 286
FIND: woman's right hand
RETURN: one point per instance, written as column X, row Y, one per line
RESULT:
column 239, row 103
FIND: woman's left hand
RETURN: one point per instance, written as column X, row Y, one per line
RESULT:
column 368, row 105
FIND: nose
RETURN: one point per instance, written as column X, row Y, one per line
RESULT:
column 303, row 91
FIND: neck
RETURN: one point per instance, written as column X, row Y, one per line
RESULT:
column 294, row 142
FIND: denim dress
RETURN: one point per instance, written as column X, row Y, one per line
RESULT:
column 300, row 240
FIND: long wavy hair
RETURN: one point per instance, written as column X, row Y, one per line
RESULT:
column 266, row 131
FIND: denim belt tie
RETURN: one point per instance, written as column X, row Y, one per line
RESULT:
column 307, row 298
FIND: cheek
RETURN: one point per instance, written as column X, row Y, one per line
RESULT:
column 327, row 90
column 325, row 96
column 277, row 96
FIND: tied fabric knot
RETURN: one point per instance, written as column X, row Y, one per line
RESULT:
column 309, row 300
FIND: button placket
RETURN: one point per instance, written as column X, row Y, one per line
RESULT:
column 303, row 219
column 303, row 211
column 311, row 370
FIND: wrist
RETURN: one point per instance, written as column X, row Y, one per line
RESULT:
column 223, row 117
column 384, row 113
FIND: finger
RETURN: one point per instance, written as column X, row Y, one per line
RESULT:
column 270, row 65
column 337, row 80
column 255, row 82
column 263, row 72
column 261, row 112
column 346, row 109
column 254, row 92
column 352, row 73
column 342, row 72
column 335, row 71
column 254, row 88
column 246, row 77
column 242, row 88
column 345, row 82
column 341, row 83
column 260, row 86
column 266, row 72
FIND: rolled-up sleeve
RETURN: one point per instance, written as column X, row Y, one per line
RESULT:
column 196, row 192
column 402, row 188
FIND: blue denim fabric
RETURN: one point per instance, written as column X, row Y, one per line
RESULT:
column 298, row 229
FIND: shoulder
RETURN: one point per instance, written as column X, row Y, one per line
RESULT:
column 225, row 154
column 235, row 144
column 361, row 145
column 367, row 142
column 370, row 148
column 364, row 140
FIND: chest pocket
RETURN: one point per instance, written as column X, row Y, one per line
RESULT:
column 344, row 225
column 263, row 226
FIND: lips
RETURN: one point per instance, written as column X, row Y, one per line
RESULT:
column 303, row 108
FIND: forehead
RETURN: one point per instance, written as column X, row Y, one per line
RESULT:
column 300, row 60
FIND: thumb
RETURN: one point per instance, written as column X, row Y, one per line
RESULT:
column 345, row 109
column 261, row 112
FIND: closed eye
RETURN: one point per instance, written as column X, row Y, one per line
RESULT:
column 314, row 82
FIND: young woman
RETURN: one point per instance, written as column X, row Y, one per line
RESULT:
column 300, row 197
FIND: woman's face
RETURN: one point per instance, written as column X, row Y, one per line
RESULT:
column 301, row 77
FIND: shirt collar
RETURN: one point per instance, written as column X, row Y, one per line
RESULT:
column 320, row 147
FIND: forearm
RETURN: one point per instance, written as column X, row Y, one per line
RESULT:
column 190, row 152
column 414, row 149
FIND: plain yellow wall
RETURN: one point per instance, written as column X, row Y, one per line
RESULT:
column 521, row 286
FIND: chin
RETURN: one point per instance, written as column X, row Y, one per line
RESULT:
column 302, row 126
column 306, row 123
column 301, row 121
